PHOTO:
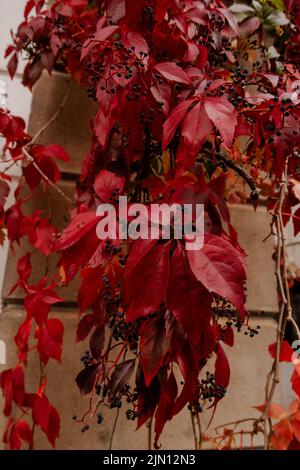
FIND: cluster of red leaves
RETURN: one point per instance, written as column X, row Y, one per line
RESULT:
column 39, row 298
column 286, row 430
column 174, row 106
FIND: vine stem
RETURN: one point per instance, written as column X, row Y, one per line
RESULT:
column 194, row 430
column 285, row 309
column 264, row 423
column 150, row 433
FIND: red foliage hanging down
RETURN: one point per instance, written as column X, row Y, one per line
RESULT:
column 188, row 98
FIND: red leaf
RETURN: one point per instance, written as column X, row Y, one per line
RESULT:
column 103, row 126
column 173, row 121
column 147, row 397
column 282, row 435
column 56, row 151
column 40, row 412
column 79, row 226
column 295, row 380
column 228, row 336
column 21, row 339
column 165, row 408
column 202, row 57
column 187, row 299
column 188, row 361
column 196, row 127
column 220, row 268
column 84, row 326
column 50, row 340
column 139, row 250
column 136, row 40
column 223, row 115
column 45, row 237
column 53, row 425
column 86, row 378
column 12, row 65
column 145, row 285
column 121, row 376
column 20, row 431
column 106, row 183
column 153, row 347
column 222, row 369
column 174, row 333
column 104, row 33
column 162, row 94
column 97, row 341
column 24, row 268
column 4, row 192
column 39, row 300
column 7, row 391
column 172, row 72
column 249, row 25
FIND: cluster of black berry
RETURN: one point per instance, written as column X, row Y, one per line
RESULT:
column 86, row 359
column 252, row 331
column 131, row 415
column 100, row 418
column 114, row 401
column 121, row 329
column 208, row 389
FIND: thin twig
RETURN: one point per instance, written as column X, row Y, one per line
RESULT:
column 194, row 430
column 150, row 433
column 241, row 172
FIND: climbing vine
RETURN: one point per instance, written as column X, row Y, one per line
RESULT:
column 198, row 102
